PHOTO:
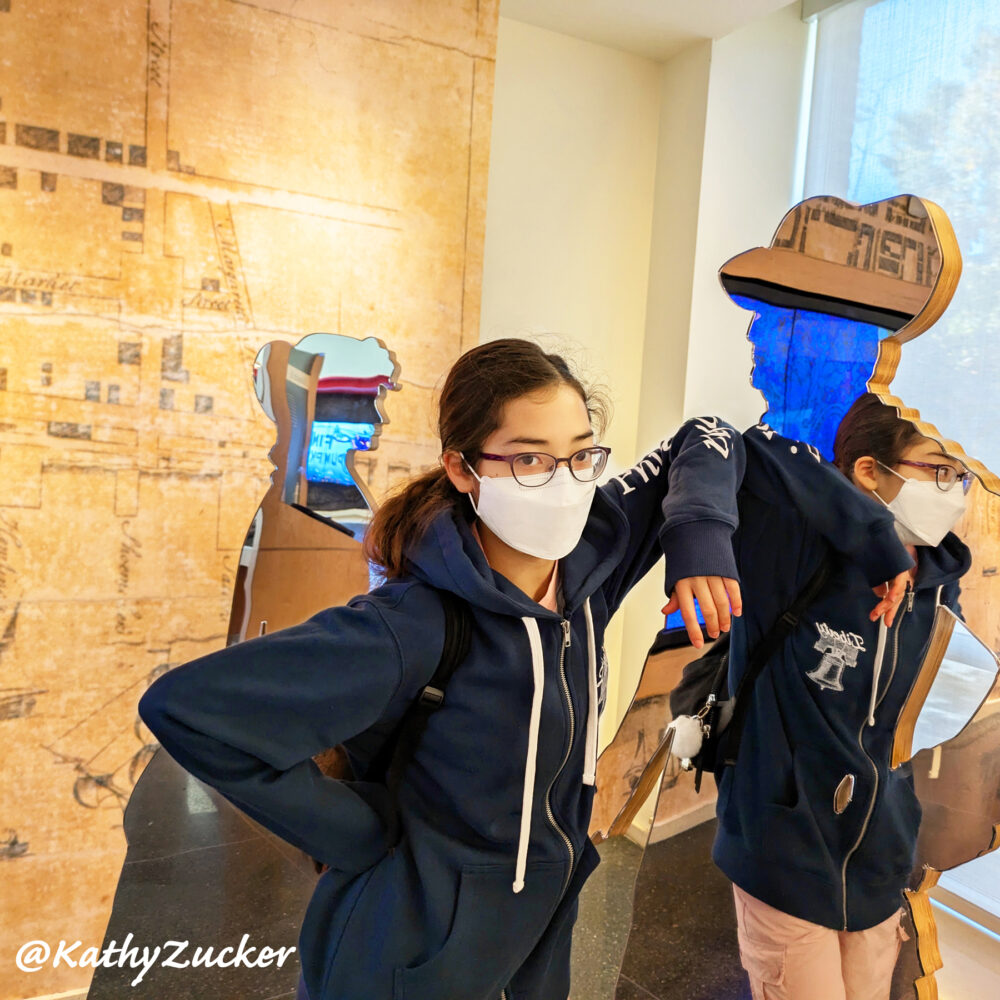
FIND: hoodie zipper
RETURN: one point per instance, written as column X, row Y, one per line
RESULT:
column 895, row 647
column 569, row 746
column 861, row 746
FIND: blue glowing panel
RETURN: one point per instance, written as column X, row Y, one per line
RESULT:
column 810, row 366
column 676, row 620
column 326, row 461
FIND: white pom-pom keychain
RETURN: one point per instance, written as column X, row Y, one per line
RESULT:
column 688, row 736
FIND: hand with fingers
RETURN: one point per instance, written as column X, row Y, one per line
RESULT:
column 719, row 598
column 892, row 593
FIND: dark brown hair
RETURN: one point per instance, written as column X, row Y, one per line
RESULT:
column 481, row 382
column 870, row 427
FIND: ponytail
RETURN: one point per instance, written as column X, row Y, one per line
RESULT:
column 401, row 521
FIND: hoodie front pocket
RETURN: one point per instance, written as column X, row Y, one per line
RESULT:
column 886, row 854
column 493, row 931
column 806, row 832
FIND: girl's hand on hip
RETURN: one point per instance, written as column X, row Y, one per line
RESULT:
column 719, row 598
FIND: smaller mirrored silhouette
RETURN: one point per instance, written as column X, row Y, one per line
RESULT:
column 197, row 868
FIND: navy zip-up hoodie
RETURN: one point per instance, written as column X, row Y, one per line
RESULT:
column 825, row 707
column 469, row 887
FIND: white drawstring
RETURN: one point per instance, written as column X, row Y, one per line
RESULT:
column 528, row 797
column 590, row 757
column 883, row 634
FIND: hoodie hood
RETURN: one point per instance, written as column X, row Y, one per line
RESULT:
column 944, row 563
column 449, row 557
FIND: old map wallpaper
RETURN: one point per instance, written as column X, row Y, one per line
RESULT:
column 182, row 181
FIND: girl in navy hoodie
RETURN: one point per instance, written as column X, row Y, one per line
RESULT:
column 815, row 831
column 464, row 884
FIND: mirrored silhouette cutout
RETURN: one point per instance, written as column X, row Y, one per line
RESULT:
column 836, row 280
column 197, row 869
column 303, row 546
column 834, row 297
column 954, row 681
column 324, row 416
column 948, row 739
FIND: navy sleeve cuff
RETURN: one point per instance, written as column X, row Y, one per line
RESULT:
column 885, row 556
column 698, row 548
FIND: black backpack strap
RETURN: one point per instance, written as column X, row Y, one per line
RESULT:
column 400, row 746
column 766, row 649
column 457, row 636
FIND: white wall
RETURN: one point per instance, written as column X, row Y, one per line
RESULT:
column 570, row 205
column 683, row 100
column 747, row 182
column 570, row 212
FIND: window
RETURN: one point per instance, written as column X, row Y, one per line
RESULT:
column 906, row 99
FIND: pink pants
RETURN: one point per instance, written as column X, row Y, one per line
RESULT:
column 791, row 959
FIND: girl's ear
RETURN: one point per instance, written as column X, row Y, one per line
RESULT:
column 458, row 472
column 866, row 473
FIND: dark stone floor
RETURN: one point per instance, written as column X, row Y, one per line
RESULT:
column 682, row 944
column 198, row 870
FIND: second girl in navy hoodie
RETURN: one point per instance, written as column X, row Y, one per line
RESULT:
column 816, row 831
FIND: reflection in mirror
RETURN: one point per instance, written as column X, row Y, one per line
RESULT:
column 327, row 415
column 301, row 549
column 658, row 830
column 957, row 674
column 627, row 775
column 956, row 784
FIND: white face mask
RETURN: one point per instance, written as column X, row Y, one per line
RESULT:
column 925, row 514
column 544, row 521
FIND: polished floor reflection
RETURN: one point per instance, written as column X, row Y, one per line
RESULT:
column 199, row 871
column 683, row 940
column 602, row 928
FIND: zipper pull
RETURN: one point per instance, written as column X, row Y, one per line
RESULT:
column 909, row 600
column 566, row 633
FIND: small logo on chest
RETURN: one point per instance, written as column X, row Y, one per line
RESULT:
column 840, row 650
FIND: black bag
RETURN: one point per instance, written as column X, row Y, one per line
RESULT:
column 703, row 691
column 386, row 766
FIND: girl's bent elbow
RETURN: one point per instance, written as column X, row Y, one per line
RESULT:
column 152, row 706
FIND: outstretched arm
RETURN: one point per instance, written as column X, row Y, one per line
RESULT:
column 792, row 473
column 680, row 501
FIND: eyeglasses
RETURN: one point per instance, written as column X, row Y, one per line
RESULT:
column 536, row 468
column 944, row 475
